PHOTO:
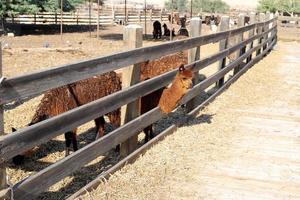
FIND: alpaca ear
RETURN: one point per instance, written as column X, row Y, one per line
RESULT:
column 13, row 129
column 181, row 68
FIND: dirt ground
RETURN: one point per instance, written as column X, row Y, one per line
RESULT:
column 244, row 145
column 36, row 52
column 289, row 34
column 30, row 53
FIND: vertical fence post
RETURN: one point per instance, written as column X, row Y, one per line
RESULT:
column 161, row 15
column 266, row 28
column 276, row 30
column 224, row 26
column 55, row 17
column 151, row 13
column 139, row 16
column 251, row 33
column 98, row 18
column 145, row 20
column 61, row 19
column 193, row 55
column 113, row 17
column 270, row 26
column 133, row 38
column 240, row 23
column 3, row 175
column 261, row 18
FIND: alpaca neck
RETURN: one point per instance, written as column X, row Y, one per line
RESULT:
column 171, row 97
column 177, row 90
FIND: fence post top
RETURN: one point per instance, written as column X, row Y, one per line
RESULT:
column 262, row 14
column 196, row 19
column 225, row 17
column 133, row 26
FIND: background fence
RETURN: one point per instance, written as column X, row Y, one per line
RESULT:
column 255, row 41
column 74, row 18
column 285, row 21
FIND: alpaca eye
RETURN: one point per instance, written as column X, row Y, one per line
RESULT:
column 184, row 79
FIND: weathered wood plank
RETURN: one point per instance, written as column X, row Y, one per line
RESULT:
column 224, row 26
column 33, row 185
column 240, row 38
column 129, row 159
column 133, row 38
column 43, row 179
column 228, row 83
column 38, row 82
column 213, row 78
column 24, row 139
column 194, row 54
column 252, row 32
column 259, row 30
column 3, row 175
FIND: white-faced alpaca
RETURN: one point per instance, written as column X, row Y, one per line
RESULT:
column 65, row 98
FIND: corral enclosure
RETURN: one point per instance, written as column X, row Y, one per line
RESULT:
column 112, row 46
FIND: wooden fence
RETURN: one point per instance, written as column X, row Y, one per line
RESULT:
column 251, row 49
column 286, row 21
column 84, row 19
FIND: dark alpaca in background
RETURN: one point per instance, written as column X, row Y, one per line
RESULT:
column 157, row 30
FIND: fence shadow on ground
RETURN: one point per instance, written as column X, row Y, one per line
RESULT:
column 90, row 172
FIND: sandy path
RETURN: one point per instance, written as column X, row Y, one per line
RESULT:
column 26, row 54
column 245, row 145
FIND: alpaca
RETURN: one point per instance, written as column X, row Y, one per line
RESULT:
column 65, row 98
column 183, row 30
column 180, row 85
column 167, row 31
column 157, row 30
column 154, row 68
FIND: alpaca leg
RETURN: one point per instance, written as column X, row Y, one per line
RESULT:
column 18, row 159
column 148, row 133
column 68, row 139
column 100, row 122
column 151, row 133
column 74, row 140
column 115, row 120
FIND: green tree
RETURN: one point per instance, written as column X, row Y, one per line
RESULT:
column 210, row 6
column 14, row 7
column 288, row 6
column 218, row 6
column 198, row 5
column 178, row 5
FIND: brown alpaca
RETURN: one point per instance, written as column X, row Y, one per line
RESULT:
column 154, row 68
column 65, row 98
column 180, row 85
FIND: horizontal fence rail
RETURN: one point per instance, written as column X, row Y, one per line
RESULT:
column 80, row 19
column 38, row 82
column 24, row 139
column 50, row 175
column 286, row 21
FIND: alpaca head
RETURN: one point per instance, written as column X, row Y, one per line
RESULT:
column 185, row 78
